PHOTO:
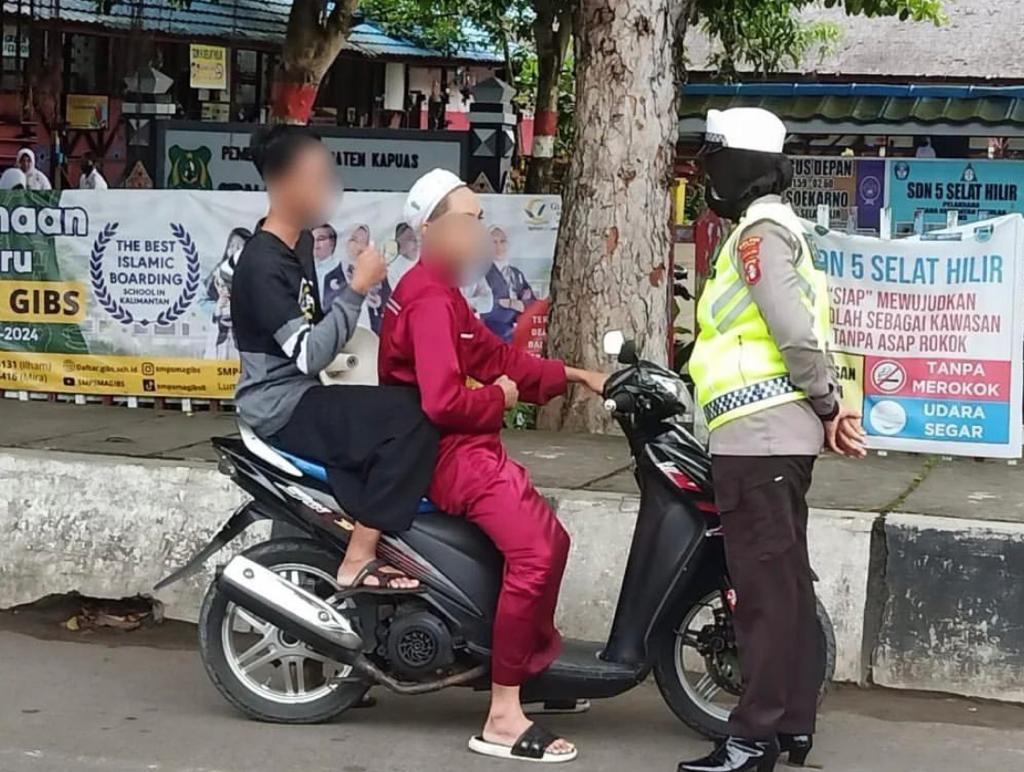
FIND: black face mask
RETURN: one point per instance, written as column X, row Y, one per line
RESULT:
column 87, row 169
column 723, row 207
column 735, row 178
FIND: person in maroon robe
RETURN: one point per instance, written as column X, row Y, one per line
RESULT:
column 431, row 338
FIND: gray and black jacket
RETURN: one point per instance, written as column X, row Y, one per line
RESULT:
column 284, row 337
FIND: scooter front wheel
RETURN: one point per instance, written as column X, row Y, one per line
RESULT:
column 697, row 664
column 261, row 670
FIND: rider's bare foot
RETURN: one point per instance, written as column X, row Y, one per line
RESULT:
column 506, row 730
column 349, row 575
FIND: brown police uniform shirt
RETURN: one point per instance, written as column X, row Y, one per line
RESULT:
column 794, row 428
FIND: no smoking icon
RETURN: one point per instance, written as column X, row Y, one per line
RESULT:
column 888, row 376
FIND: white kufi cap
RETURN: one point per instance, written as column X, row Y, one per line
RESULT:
column 426, row 193
column 12, row 178
column 746, row 128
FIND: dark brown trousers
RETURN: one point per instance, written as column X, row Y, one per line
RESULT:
column 763, row 501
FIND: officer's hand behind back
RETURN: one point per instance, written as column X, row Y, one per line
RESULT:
column 845, row 435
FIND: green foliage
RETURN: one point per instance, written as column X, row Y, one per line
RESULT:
column 766, row 37
column 450, row 24
column 524, row 62
column 904, row 10
column 443, row 29
column 522, row 416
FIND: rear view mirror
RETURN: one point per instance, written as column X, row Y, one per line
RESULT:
column 613, row 342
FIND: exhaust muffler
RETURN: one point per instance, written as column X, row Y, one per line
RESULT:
column 317, row 624
column 291, row 608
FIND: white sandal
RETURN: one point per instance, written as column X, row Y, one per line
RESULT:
column 532, row 745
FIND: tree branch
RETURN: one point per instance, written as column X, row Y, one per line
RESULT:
column 340, row 20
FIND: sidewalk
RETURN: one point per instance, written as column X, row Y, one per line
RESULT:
column 980, row 490
column 920, row 560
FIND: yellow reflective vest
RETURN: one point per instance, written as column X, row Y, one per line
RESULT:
column 736, row 365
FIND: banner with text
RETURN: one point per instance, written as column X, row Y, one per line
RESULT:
column 128, row 292
column 928, row 189
column 928, row 334
column 852, row 188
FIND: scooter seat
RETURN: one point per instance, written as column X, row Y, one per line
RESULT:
column 318, row 472
column 309, row 468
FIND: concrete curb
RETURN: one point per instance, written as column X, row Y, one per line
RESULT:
column 110, row 526
column 953, row 613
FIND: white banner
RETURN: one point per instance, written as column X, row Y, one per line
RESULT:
column 124, row 292
column 929, row 336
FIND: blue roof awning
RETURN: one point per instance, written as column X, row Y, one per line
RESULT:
column 878, row 107
column 239, row 21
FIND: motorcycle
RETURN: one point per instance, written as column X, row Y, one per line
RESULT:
column 283, row 643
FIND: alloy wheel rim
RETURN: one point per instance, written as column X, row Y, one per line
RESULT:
column 705, row 688
column 272, row 664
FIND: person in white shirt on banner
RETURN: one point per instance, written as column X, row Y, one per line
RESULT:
column 90, row 178
column 34, row 179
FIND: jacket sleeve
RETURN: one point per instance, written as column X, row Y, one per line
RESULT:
column 446, row 399
column 539, row 380
column 775, row 287
column 311, row 346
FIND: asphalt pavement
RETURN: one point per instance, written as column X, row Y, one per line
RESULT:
column 134, row 702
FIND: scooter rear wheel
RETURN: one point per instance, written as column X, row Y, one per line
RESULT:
column 702, row 687
column 258, row 668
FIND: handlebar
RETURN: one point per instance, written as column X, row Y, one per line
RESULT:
column 620, row 403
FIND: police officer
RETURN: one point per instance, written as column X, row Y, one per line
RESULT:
column 764, row 382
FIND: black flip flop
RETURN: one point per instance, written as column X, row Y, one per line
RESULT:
column 384, row 579
column 532, row 746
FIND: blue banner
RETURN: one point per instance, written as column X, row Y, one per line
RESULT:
column 930, row 188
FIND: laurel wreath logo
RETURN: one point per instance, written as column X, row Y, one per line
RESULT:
column 121, row 314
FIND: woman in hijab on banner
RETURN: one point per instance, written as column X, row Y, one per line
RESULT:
column 34, row 179
column 335, row 281
column 407, row 252
column 221, row 342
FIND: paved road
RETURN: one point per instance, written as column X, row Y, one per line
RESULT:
column 141, row 702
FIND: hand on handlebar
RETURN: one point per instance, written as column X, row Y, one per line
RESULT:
column 589, row 379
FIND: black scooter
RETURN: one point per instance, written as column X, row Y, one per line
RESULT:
column 283, row 644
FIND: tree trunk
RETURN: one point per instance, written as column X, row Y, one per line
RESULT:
column 313, row 41
column 552, row 32
column 610, row 268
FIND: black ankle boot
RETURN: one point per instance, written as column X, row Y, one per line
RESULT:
column 798, row 746
column 737, row 755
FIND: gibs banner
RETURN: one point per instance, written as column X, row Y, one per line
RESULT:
column 928, row 336
column 129, row 292
column 41, row 305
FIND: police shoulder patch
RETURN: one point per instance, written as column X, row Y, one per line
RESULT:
column 750, row 259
